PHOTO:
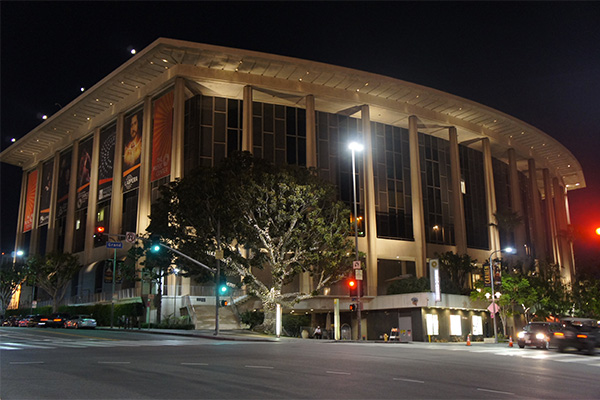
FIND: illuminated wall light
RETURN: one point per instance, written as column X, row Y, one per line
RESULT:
column 44, row 116
column 164, row 60
column 133, row 51
column 82, row 89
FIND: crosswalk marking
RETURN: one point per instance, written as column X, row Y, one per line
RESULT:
column 81, row 344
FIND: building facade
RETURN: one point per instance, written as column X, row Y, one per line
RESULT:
column 435, row 170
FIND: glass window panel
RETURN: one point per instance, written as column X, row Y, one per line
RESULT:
column 220, row 104
column 268, row 117
column 301, row 122
column 279, row 134
column 220, row 127
column 269, row 147
column 279, row 112
column 232, row 113
column 207, row 111
column 206, row 141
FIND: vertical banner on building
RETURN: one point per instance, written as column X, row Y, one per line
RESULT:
column 30, row 200
column 84, row 170
column 64, row 176
column 132, row 150
column 45, row 193
column 162, row 137
column 108, row 139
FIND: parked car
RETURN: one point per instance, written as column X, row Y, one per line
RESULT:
column 24, row 321
column 80, row 322
column 579, row 333
column 38, row 321
column 538, row 334
column 11, row 321
column 58, row 320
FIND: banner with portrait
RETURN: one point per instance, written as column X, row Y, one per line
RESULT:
column 84, row 170
column 30, row 200
column 132, row 150
column 64, row 177
column 108, row 138
column 45, row 193
column 162, row 136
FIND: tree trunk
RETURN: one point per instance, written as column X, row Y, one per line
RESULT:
column 270, row 310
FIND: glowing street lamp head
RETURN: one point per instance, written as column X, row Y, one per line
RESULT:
column 356, row 146
column 20, row 253
column 509, row 250
column 598, row 231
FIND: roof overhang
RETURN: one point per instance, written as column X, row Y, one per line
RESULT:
column 224, row 71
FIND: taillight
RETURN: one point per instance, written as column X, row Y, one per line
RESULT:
column 57, row 320
column 559, row 334
column 44, row 319
column 581, row 336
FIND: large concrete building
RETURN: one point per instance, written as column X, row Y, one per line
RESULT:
column 435, row 170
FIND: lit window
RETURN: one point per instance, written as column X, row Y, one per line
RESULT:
column 477, row 325
column 433, row 326
column 455, row 325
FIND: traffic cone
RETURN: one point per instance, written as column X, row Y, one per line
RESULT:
column 510, row 342
column 468, row 340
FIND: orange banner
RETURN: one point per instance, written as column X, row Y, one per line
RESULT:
column 30, row 200
column 161, row 137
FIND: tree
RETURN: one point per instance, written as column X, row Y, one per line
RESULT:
column 280, row 219
column 12, row 275
column 53, row 273
column 457, row 270
column 553, row 298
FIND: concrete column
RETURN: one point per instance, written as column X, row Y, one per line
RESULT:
column 550, row 216
column 70, row 219
column 460, row 226
column 370, row 210
column 116, row 201
column 51, row 239
column 178, row 129
column 247, row 140
column 539, row 237
column 418, row 215
column 516, row 202
column 311, row 133
column 19, row 239
column 33, row 244
column 490, row 195
column 567, row 269
column 144, row 198
column 90, row 225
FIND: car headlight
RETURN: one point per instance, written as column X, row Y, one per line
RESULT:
column 521, row 335
column 540, row 336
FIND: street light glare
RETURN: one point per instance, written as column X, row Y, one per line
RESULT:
column 356, row 146
column 509, row 250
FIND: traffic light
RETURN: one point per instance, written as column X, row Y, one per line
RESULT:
column 155, row 247
column 222, row 287
column 352, row 287
column 224, row 303
column 99, row 238
column 352, row 307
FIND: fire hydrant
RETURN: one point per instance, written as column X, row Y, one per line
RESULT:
column 385, row 337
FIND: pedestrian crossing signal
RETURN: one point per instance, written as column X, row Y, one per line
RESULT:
column 224, row 303
column 352, row 307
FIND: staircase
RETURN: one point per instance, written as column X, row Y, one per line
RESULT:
column 205, row 318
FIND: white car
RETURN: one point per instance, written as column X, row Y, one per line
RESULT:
column 81, row 321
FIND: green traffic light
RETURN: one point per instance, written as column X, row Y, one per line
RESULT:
column 155, row 248
column 223, row 289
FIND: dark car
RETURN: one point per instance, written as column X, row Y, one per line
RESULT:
column 58, row 320
column 11, row 321
column 579, row 333
column 81, row 321
column 538, row 334
column 39, row 321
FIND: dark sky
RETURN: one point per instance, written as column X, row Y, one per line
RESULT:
column 539, row 62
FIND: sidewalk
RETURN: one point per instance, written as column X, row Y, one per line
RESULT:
column 250, row 336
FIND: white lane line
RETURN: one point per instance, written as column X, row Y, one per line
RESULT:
column 338, row 372
column 191, row 363
column 258, row 366
column 408, row 380
column 114, row 362
column 25, row 362
column 26, row 346
column 494, row 391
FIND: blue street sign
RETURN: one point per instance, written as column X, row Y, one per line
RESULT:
column 114, row 245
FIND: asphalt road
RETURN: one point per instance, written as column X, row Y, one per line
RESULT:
column 66, row 364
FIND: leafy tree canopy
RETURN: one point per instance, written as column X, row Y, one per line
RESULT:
column 53, row 273
column 12, row 276
column 281, row 219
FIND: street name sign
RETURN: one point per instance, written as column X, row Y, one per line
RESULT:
column 114, row 245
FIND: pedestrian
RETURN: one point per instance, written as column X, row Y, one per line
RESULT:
column 318, row 334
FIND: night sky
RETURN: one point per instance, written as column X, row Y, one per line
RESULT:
column 539, row 62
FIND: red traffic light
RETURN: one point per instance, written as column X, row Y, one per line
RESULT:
column 351, row 283
column 100, row 229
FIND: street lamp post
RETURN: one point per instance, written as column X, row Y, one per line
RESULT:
column 507, row 250
column 354, row 147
